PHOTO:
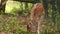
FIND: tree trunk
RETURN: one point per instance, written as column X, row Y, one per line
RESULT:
column 53, row 10
column 2, row 5
column 58, row 6
column 53, row 16
column 45, row 3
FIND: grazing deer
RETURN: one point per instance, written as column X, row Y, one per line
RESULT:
column 37, row 14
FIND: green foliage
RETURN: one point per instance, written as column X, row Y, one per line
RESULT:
column 13, row 7
column 11, row 23
column 1, row 28
column 20, row 31
column 58, row 22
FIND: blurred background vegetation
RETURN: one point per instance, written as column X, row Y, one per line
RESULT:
column 13, row 12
